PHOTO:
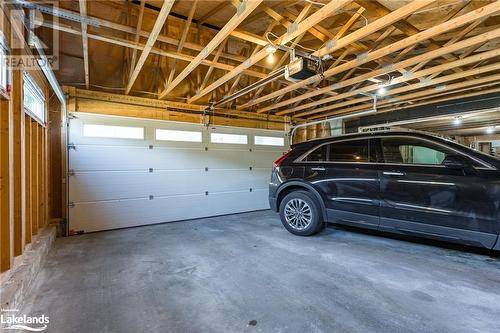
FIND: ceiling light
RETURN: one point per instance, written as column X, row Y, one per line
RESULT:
column 490, row 130
column 271, row 48
column 457, row 121
column 381, row 90
column 270, row 58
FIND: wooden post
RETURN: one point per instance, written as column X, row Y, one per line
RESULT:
column 27, row 179
column 6, row 187
column 34, row 178
column 41, row 183
column 19, row 163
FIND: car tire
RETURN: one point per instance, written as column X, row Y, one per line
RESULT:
column 300, row 214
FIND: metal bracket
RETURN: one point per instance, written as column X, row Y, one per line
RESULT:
column 241, row 8
column 59, row 13
column 71, row 146
column 374, row 98
column 71, row 172
column 206, row 114
column 71, row 204
column 72, row 115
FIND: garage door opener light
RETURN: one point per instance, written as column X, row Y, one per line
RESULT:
column 457, row 121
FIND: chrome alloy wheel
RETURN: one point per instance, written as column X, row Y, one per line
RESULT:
column 298, row 214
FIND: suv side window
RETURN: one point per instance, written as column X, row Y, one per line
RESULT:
column 402, row 150
column 349, row 151
column 317, row 155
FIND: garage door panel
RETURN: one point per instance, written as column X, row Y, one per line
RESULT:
column 95, row 216
column 99, row 186
column 228, row 159
column 118, row 183
column 87, row 158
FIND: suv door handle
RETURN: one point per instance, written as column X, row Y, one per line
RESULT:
column 394, row 173
column 318, row 169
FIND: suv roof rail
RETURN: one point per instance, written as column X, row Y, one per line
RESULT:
column 382, row 128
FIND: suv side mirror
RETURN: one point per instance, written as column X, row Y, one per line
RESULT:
column 457, row 162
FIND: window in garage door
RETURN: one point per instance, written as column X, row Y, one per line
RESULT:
column 228, row 138
column 173, row 135
column 106, row 131
column 269, row 141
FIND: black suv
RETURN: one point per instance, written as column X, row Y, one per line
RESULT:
column 397, row 181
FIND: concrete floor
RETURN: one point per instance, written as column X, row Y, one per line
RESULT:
column 246, row 273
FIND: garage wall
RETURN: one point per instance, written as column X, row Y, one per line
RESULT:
column 117, row 182
column 24, row 172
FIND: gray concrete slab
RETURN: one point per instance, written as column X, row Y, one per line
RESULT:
column 246, row 273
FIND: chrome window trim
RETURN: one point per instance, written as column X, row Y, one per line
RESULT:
column 485, row 166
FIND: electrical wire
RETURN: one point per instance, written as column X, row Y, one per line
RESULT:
column 296, row 44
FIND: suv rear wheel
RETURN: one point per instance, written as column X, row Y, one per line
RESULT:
column 300, row 214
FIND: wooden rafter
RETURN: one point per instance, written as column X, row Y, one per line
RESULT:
column 137, row 35
column 491, row 80
column 409, row 76
column 375, row 26
column 407, row 88
column 401, row 44
column 211, row 68
column 160, row 21
column 286, row 56
column 138, row 46
column 183, row 38
column 243, row 35
column 291, row 34
column 248, row 6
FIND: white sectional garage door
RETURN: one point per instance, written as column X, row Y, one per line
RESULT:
column 121, row 175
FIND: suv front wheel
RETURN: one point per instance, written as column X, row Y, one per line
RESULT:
column 300, row 214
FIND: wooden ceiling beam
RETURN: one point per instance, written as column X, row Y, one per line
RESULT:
column 428, row 71
column 424, row 100
column 286, row 55
column 409, row 76
column 138, row 46
column 247, row 7
column 291, row 34
column 458, row 37
column 255, row 50
column 489, row 80
column 170, row 40
column 211, row 68
column 375, row 26
column 286, row 23
column 484, row 11
column 160, row 21
column 137, row 35
column 183, row 38
column 403, row 25
column 396, row 91
column 85, row 43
